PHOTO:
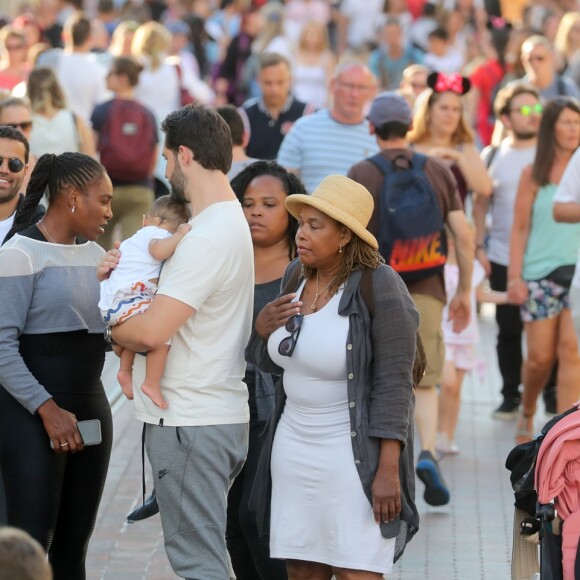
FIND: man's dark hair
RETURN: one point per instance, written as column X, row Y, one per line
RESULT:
column 234, row 120
column 440, row 33
column 7, row 132
column 503, row 100
column 128, row 66
column 79, row 28
column 392, row 130
column 202, row 130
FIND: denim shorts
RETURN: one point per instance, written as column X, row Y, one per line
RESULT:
column 546, row 299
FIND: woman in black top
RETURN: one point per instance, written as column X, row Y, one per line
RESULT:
column 51, row 357
column 262, row 188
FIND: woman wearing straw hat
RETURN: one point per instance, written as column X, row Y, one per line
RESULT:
column 339, row 445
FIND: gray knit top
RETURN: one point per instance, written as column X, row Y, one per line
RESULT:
column 44, row 288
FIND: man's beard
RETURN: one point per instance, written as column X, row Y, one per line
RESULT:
column 9, row 195
column 525, row 136
column 178, row 184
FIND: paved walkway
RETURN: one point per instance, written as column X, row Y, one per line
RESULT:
column 468, row 539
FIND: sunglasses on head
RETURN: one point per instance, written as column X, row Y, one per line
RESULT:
column 24, row 126
column 293, row 326
column 527, row 110
column 14, row 164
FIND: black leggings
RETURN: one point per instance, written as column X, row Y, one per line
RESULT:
column 54, row 498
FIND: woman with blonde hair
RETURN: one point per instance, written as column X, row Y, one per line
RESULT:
column 440, row 129
column 55, row 128
column 122, row 39
column 314, row 65
column 567, row 46
column 159, row 86
column 13, row 64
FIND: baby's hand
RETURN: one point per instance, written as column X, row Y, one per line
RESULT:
column 108, row 262
column 183, row 229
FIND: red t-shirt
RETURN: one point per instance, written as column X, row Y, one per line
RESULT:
column 485, row 79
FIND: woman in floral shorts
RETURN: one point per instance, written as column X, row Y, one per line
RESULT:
column 542, row 260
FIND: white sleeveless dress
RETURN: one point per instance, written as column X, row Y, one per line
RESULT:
column 319, row 510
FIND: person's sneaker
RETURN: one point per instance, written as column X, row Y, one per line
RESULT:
column 148, row 509
column 436, row 492
column 507, row 410
column 445, row 447
column 550, row 400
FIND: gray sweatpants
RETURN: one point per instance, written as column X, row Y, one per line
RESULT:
column 193, row 469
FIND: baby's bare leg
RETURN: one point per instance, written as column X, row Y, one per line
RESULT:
column 154, row 368
column 125, row 374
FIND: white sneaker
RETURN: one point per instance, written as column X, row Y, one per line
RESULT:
column 445, row 447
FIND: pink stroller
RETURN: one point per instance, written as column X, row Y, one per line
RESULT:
column 557, row 483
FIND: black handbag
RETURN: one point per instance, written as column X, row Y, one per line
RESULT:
column 562, row 276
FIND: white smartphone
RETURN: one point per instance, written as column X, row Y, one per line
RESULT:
column 90, row 432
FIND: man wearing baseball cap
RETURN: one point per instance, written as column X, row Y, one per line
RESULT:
column 427, row 185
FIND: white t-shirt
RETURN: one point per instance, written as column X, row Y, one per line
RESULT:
column 83, row 80
column 449, row 63
column 212, row 271
column 5, row 227
column 136, row 264
column 363, row 18
column 505, row 171
column 569, row 192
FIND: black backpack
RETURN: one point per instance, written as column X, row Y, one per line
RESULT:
column 521, row 461
column 411, row 237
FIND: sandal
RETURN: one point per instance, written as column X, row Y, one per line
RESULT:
column 525, row 428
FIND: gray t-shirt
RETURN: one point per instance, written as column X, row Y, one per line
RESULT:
column 505, row 171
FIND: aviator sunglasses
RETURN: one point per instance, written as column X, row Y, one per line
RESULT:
column 527, row 110
column 293, row 326
column 14, row 164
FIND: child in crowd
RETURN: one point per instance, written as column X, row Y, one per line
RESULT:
column 133, row 283
column 460, row 349
column 441, row 56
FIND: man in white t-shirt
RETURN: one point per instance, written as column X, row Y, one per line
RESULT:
column 518, row 107
column 14, row 155
column 204, row 304
column 82, row 76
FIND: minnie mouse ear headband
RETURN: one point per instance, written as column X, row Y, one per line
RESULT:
column 442, row 83
column 498, row 23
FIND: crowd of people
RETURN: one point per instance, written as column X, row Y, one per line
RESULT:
column 294, row 208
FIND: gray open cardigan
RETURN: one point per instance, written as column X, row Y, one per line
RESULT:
column 379, row 355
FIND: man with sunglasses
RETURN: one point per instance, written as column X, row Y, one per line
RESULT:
column 13, row 168
column 518, row 108
column 16, row 113
column 541, row 70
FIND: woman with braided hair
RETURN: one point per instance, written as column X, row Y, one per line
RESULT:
column 51, row 357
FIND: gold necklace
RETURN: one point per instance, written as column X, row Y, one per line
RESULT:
column 41, row 224
column 319, row 292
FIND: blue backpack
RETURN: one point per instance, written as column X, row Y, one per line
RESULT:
column 411, row 236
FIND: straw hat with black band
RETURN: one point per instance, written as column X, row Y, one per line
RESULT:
column 342, row 199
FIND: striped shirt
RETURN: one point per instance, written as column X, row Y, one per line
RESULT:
column 318, row 146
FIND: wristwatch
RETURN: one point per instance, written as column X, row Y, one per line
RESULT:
column 108, row 335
